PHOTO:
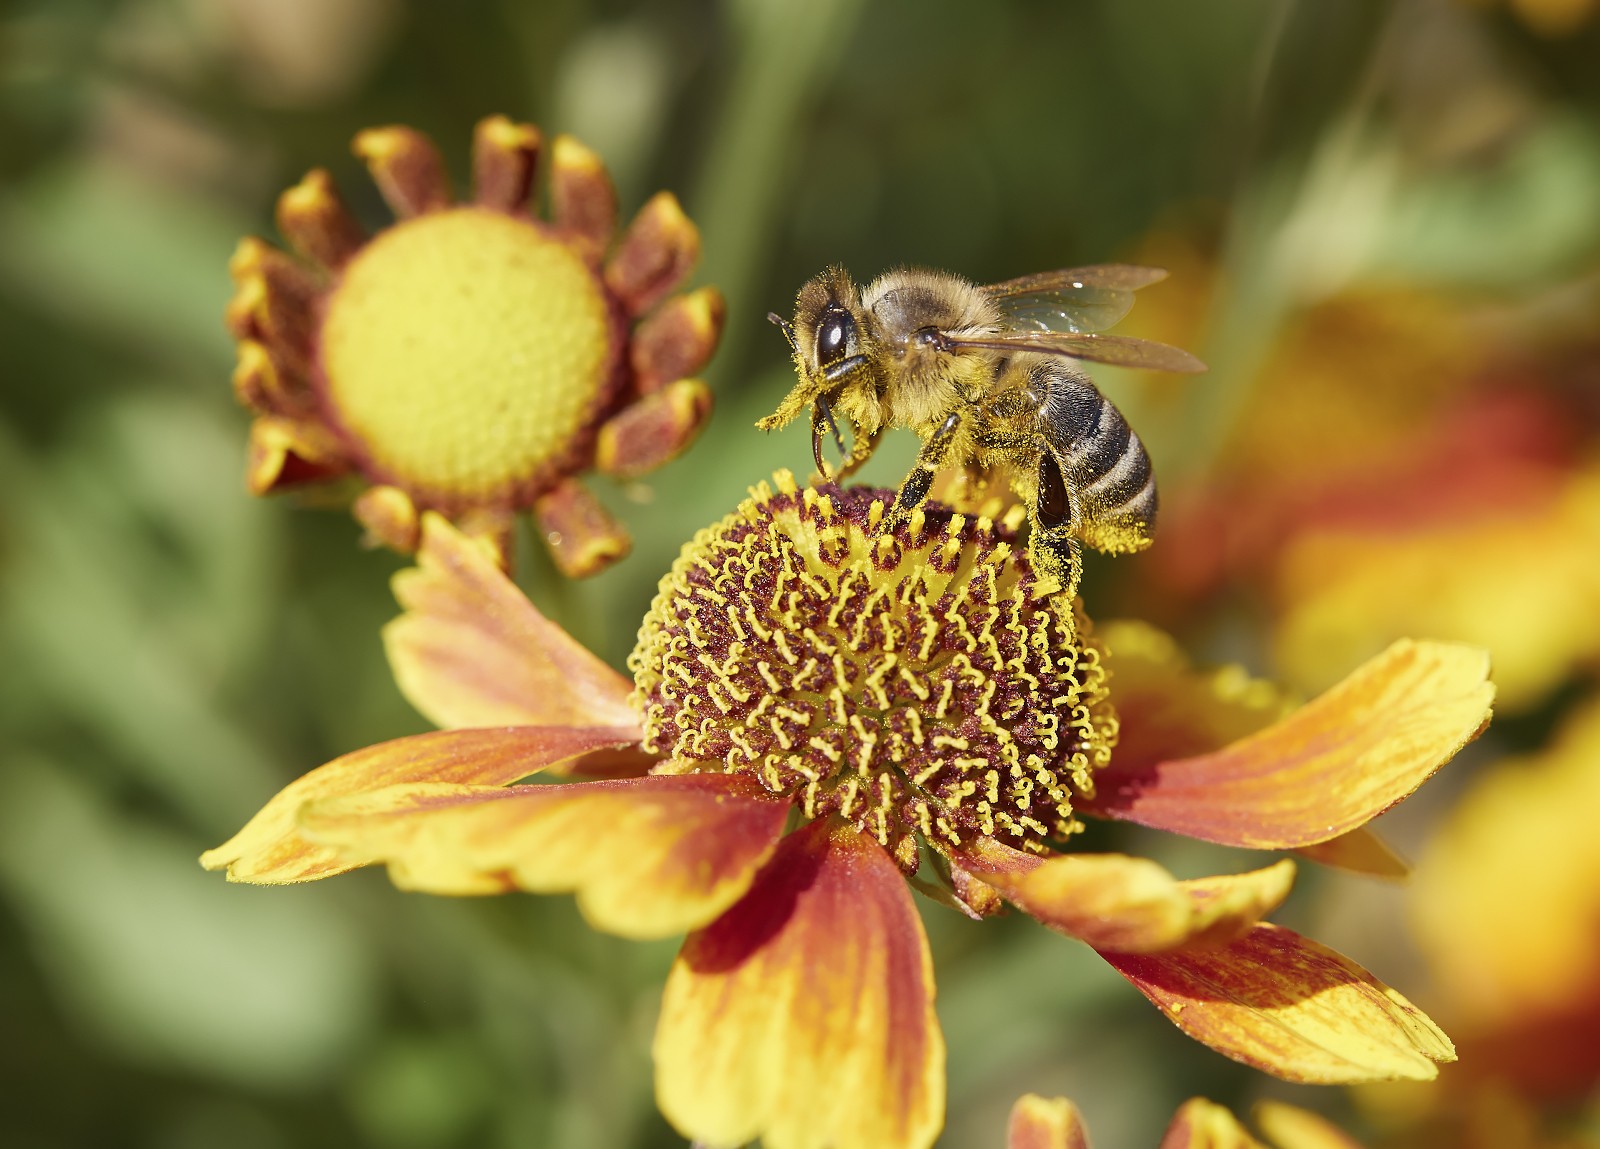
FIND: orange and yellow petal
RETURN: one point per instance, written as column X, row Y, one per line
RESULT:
column 676, row 339
column 313, row 218
column 1202, row 1124
column 804, row 1015
column 1290, row 1007
column 1290, row 1127
column 583, row 202
column 653, row 430
column 505, row 162
column 471, row 650
column 271, row 849
column 582, row 536
column 647, row 857
column 1045, row 1123
column 654, row 255
column 406, row 167
column 1328, row 768
column 1129, row 905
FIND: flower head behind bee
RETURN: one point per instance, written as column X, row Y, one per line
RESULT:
column 472, row 358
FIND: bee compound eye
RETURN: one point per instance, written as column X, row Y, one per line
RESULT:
column 834, row 333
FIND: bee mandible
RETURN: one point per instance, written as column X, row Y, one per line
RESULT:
column 984, row 376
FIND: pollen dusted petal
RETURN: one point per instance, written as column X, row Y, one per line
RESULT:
column 1337, row 762
column 580, row 533
column 804, row 1015
column 1130, row 905
column 471, row 650
column 407, row 169
column 1296, row 1128
column 660, row 247
column 505, row 159
column 677, row 338
column 1202, row 1124
column 1045, row 1123
column 315, row 221
column 653, row 430
column 1292, row 1008
column 582, row 198
column 271, row 850
column 648, row 857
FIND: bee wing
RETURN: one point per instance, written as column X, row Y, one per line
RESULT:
column 1122, row 350
column 1072, row 299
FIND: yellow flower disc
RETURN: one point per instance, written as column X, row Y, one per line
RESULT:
column 465, row 349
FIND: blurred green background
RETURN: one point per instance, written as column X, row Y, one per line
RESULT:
column 176, row 651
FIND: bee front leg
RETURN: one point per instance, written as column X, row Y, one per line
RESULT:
column 861, row 449
column 929, row 460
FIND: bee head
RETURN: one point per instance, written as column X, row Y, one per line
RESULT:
column 827, row 338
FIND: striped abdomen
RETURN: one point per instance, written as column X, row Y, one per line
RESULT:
column 1103, row 467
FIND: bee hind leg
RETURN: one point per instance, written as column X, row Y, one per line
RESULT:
column 1054, row 553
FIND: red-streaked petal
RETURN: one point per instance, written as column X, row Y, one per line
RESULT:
column 1202, row 1124
column 582, row 536
column 1292, row 1008
column 471, row 650
column 804, row 1015
column 1340, row 760
column 406, row 167
column 505, row 158
column 647, row 857
column 582, row 198
column 1130, row 905
column 1290, row 1127
column 315, row 221
column 270, row 849
column 1045, row 1123
column 659, row 248
column 653, row 430
column 676, row 339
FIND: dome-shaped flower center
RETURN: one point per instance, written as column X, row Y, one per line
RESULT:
column 466, row 350
column 911, row 683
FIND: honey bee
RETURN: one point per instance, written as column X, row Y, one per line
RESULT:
column 984, row 376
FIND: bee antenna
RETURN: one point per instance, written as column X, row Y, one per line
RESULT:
column 785, row 326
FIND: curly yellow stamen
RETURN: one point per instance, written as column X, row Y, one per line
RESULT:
column 912, row 683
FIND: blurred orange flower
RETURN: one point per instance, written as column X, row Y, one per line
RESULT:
column 1396, row 472
column 820, row 711
column 471, row 358
column 1518, row 959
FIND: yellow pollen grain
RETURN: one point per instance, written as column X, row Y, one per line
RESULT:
column 465, row 349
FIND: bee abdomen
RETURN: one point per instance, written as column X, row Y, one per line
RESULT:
column 1115, row 484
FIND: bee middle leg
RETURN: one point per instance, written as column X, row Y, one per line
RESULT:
column 929, row 460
